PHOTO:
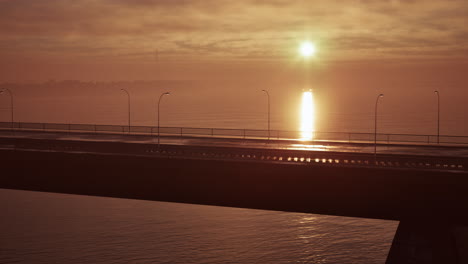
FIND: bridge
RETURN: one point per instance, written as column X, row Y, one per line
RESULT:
column 411, row 178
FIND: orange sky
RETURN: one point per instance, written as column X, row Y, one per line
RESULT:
column 149, row 39
column 405, row 49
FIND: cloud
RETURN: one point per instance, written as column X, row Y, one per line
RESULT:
column 347, row 29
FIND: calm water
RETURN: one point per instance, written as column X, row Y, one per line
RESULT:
column 56, row 228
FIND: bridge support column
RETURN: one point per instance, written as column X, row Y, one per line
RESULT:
column 429, row 242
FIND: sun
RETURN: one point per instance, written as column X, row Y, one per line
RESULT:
column 307, row 49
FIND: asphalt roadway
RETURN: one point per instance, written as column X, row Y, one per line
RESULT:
column 335, row 146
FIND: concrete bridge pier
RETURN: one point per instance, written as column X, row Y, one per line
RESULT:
column 428, row 241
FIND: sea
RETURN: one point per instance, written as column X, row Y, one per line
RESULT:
column 38, row 227
column 47, row 228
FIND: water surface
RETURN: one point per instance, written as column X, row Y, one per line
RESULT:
column 58, row 228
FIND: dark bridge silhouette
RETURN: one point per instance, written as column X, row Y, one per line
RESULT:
column 428, row 194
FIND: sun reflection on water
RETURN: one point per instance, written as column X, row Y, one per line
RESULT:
column 307, row 127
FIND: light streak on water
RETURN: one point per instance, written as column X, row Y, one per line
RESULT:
column 307, row 127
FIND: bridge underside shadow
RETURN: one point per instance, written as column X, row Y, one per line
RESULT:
column 431, row 205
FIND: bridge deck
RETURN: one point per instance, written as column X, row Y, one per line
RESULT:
column 313, row 153
column 386, row 186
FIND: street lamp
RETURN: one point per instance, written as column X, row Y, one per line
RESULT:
column 375, row 126
column 128, row 97
column 438, row 115
column 268, row 96
column 11, row 104
column 159, row 102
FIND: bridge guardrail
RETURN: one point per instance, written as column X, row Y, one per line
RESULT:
column 351, row 137
column 283, row 156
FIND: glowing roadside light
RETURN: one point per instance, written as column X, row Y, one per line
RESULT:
column 307, row 49
column 307, row 116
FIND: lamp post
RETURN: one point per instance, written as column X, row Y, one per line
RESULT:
column 11, row 105
column 159, row 102
column 268, row 96
column 375, row 126
column 438, row 115
column 128, row 99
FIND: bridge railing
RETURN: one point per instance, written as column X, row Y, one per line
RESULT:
column 351, row 137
